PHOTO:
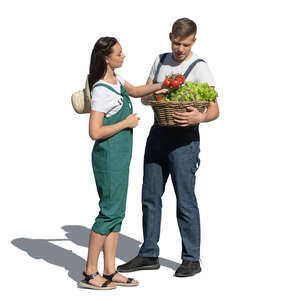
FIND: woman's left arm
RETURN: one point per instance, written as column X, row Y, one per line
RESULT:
column 142, row 90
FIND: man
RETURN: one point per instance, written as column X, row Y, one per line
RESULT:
column 174, row 151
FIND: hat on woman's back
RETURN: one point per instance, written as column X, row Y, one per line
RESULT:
column 81, row 100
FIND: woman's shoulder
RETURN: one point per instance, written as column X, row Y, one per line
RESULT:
column 100, row 90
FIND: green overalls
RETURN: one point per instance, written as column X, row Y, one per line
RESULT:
column 111, row 159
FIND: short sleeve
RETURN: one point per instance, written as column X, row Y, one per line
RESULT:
column 154, row 68
column 204, row 74
column 102, row 100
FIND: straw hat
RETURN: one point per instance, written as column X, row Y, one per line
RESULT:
column 81, row 100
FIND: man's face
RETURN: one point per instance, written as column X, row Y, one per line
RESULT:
column 181, row 47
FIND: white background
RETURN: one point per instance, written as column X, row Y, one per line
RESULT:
column 247, row 184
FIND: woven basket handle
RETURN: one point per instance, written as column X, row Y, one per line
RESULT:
column 190, row 92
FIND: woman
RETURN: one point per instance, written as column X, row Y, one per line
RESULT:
column 111, row 123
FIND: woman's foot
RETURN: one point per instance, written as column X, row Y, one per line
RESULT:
column 98, row 281
column 120, row 279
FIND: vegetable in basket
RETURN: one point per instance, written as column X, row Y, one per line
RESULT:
column 202, row 91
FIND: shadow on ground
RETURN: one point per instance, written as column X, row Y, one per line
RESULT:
column 74, row 264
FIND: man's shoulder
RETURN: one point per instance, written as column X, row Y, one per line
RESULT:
column 161, row 59
column 196, row 57
column 163, row 56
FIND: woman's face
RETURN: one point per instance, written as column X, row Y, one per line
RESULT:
column 116, row 58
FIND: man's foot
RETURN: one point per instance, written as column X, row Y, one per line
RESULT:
column 140, row 263
column 188, row 268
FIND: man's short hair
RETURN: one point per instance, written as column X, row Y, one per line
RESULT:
column 183, row 28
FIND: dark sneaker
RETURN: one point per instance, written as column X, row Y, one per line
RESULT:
column 140, row 263
column 188, row 268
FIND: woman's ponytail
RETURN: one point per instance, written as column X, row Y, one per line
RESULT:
column 98, row 65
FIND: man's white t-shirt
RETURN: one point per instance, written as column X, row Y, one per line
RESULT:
column 200, row 72
column 105, row 100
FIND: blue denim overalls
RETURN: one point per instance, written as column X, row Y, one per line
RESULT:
column 171, row 151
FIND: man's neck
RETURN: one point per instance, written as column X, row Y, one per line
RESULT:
column 187, row 58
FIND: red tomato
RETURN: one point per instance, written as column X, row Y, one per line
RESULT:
column 175, row 83
column 159, row 98
column 167, row 82
column 179, row 78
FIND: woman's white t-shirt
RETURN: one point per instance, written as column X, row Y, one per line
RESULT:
column 105, row 100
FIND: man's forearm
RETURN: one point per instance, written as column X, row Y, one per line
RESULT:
column 211, row 114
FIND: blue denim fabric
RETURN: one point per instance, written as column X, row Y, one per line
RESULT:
column 175, row 152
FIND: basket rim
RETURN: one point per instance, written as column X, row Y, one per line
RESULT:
column 155, row 102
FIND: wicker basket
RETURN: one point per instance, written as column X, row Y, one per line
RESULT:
column 164, row 110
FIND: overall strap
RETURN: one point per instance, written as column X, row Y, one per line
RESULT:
column 108, row 87
column 190, row 68
column 161, row 61
column 121, row 85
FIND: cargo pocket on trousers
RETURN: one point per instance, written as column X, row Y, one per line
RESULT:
column 196, row 166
